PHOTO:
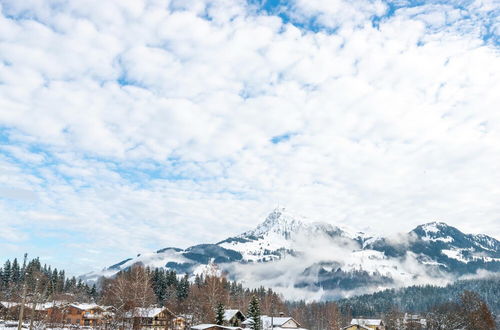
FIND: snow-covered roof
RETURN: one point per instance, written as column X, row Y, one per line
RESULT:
column 366, row 322
column 46, row 305
column 85, row 307
column 207, row 326
column 9, row 304
column 276, row 322
column 147, row 312
column 359, row 326
column 230, row 313
column 39, row 306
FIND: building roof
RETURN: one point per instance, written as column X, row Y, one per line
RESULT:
column 86, row 307
column 208, row 326
column 276, row 322
column 148, row 312
column 367, row 322
column 358, row 325
column 38, row 307
column 9, row 304
column 230, row 313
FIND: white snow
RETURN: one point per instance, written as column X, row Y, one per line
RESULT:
column 455, row 254
column 447, row 239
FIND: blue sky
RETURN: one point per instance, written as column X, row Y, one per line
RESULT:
column 128, row 126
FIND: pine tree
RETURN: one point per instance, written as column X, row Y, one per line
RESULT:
column 183, row 288
column 254, row 313
column 219, row 314
column 6, row 274
column 15, row 275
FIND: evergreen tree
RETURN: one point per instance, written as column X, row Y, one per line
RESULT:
column 15, row 275
column 219, row 314
column 183, row 288
column 6, row 274
column 254, row 313
column 93, row 293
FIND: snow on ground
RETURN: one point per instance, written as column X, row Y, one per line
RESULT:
column 447, row 239
column 455, row 254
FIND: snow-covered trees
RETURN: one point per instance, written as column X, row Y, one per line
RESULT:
column 254, row 313
column 51, row 283
column 219, row 314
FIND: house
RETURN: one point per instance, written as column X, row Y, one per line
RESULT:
column 214, row 327
column 365, row 324
column 414, row 321
column 9, row 310
column 275, row 323
column 153, row 318
column 80, row 314
column 233, row 317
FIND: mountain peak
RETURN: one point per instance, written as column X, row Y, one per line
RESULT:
column 279, row 220
column 434, row 226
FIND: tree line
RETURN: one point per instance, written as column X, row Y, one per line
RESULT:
column 47, row 282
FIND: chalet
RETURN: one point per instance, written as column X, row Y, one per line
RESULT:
column 414, row 321
column 365, row 324
column 9, row 310
column 80, row 314
column 154, row 318
column 275, row 323
column 233, row 317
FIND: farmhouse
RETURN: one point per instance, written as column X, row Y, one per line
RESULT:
column 366, row 324
column 275, row 323
column 80, row 314
column 213, row 327
column 154, row 318
column 233, row 317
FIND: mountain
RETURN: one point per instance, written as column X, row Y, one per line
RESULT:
column 319, row 260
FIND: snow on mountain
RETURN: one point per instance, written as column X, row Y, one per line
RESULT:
column 279, row 235
column 294, row 253
column 452, row 243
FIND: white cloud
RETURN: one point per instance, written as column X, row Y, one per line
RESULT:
column 389, row 126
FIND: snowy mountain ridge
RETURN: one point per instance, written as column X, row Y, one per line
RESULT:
column 299, row 255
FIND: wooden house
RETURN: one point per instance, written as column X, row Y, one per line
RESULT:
column 365, row 324
column 275, row 323
column 9, row 310
column 154, row 318
column 79, row 314
column 233, row 317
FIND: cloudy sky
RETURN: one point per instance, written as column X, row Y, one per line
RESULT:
column 130, row 125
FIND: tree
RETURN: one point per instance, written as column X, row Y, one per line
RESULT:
column 15, row 275
column 219, row 314
column 254, row 313
column 6, row 274
column 476, row 313
column 129, row 291
column 183, row 288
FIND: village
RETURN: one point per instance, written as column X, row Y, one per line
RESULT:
column 63, row 315
column 36, row 297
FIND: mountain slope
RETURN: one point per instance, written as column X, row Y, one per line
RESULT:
column 306, row 258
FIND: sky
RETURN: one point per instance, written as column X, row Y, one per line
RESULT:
column 132, row 125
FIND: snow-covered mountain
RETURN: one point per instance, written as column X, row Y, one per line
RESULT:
column 300, row 256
